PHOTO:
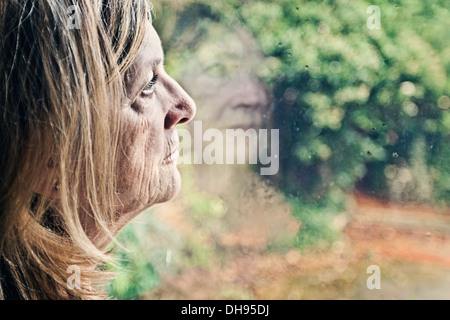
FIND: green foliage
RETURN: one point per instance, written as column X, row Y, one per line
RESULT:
column 315, row 224
column 350, row 101
column 135, row 273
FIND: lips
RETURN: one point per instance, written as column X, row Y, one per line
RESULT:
column 173, row 157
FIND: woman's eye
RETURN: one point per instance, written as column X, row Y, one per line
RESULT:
column 150, row 87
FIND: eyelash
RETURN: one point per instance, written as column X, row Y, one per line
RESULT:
column 151, row 86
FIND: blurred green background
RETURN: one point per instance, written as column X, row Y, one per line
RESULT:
column 358, row 109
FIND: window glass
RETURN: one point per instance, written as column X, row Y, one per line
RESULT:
column 317, row 166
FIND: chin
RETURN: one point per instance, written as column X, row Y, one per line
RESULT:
column 170, row 186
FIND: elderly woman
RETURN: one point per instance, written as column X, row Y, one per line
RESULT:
column 88, row 138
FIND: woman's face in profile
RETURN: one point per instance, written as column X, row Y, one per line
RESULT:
column 148, row 146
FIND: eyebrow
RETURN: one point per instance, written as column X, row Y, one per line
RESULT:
column 154, row 63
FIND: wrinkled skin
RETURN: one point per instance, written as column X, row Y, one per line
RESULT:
column 149, row 137
column 148, row 146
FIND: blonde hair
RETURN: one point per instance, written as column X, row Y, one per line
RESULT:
column 61, row 88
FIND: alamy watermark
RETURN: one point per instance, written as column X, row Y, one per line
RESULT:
column 374, row 20
column 74, row 280
column 374, row 280
column 234, row 146
column 74, row 17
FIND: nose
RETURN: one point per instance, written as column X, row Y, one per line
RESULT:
column 182, row 109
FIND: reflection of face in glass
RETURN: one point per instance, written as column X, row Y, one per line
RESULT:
column 219, row 67
column 221, row 76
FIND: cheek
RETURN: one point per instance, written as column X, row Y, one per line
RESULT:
column 140, row 153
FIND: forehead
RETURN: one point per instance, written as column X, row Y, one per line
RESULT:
column 149, row 56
